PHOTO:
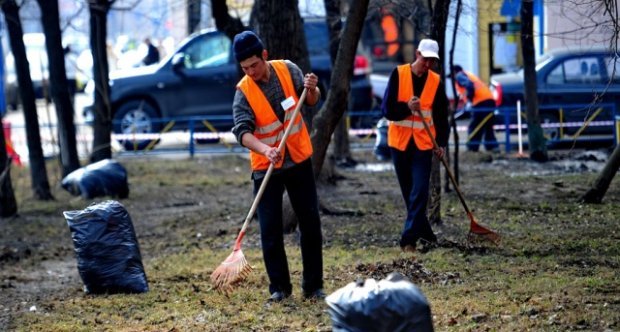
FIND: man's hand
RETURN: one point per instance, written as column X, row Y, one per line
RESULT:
column 310, row 83
column 414, row 104
column 439, row 152
column 272, row 154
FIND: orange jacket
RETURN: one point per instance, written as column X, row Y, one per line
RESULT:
column 481, row 91
column 400, row 132
column 269, row 129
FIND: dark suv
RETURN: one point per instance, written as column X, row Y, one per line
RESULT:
column 575, row 86
column 198, row 80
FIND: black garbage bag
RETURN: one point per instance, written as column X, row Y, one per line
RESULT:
column 393, row 304
column 103, row 178
column 107, row 249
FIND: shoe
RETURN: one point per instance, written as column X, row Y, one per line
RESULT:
column 278, row 296
column 317, row 294
column 408, row 248
column 428, row 245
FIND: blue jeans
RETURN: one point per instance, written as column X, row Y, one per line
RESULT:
column 413, row 170
column 301, row 188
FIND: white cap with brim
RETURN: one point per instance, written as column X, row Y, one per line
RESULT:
column 429, row 48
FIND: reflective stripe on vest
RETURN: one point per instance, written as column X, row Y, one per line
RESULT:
column 401, row 132
column 481, row 90
column 269, row 129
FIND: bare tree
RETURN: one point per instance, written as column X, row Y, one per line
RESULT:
column 280, row 26
column 438, row 27
column 59, row 86
column 329, row 115
column 537, row 142
column 340, row 146
column 596, row 193
column 8, row 204
column 102, row 127
column 455, row 134
column 223, row 21
column 38, row 172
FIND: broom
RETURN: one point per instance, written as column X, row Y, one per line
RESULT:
column 475, row 229
column 235, row 268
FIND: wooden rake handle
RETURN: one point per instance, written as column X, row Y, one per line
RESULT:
column 263, row 185
column 445, row 164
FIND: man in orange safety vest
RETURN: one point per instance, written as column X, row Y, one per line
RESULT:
column 473, row 91
column 262, row 109
column 414, row 94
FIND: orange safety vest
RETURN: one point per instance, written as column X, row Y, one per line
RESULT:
column 269, row 129
column 481, row 91
column 401, row 132
column 390, row 34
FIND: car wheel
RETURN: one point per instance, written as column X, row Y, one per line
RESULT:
column 135, row 117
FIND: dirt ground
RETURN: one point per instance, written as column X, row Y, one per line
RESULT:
column 169, row 207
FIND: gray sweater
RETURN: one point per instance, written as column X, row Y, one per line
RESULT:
column 245, row 119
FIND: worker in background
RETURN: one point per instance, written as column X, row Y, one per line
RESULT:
column 477, row 94
column 152, row 53
column 414, row 94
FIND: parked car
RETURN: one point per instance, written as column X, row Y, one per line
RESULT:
column 572, row 85
column 199, row 79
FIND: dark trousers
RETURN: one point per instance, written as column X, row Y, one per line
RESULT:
column 486, row 134
column 301, row 188
column 413, row 170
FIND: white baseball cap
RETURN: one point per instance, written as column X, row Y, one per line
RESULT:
column 429, row 48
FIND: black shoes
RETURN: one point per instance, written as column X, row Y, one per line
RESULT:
column 278, row 296
column 317, row 294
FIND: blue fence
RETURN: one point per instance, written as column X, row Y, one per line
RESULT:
column 562, row 123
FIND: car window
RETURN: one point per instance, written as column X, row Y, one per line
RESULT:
column 612, row 63
column 583, row 70
column 208, row 51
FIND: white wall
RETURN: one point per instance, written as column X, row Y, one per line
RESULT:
column 466, row 47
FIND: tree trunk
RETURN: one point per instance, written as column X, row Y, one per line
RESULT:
column 455, row 134
column 341, row 149
column 600, row 186
column 8, row 204
column 536, row 140
column 59, row 86
column 38, row 173
column 327, row 118
column 102, row 126
column 280, row 26
column 193, row 15
column 438, row 28
column 223, row 21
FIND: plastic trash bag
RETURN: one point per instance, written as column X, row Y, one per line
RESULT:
column 107, row 250
column 393, row 304
column 103, row 178
column 381, row 149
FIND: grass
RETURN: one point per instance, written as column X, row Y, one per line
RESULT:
column 555, row 270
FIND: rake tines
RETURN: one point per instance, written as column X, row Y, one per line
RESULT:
column 234, row 269
column 476, row 230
